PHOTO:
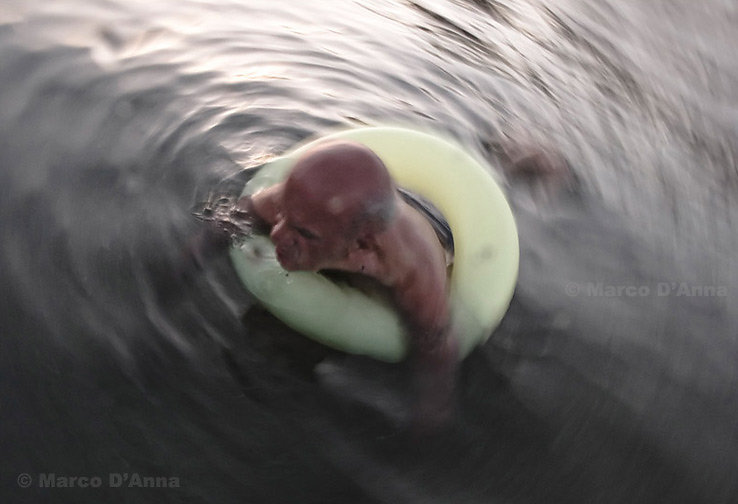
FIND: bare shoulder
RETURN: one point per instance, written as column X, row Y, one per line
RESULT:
column 423, row 293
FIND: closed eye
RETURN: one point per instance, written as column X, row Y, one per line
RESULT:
column 306, row 233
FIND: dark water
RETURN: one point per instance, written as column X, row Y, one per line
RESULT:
column 613, row 376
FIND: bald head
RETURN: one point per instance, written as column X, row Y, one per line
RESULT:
column 347, row 179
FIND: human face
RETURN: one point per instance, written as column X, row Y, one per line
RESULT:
column 310, row 233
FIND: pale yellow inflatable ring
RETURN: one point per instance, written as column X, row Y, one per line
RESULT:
column 485, row 241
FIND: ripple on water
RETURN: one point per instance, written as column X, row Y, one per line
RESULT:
column 117, row 117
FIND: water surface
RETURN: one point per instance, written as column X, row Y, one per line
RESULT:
column 611, row 379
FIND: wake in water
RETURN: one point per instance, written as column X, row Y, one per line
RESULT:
column 224, row 215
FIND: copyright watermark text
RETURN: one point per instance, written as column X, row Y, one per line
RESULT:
column 110, row 480
column 659, row 289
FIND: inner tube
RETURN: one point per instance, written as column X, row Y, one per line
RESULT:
column 485, row 258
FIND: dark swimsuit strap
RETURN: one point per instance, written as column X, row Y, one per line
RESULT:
column 433, row 215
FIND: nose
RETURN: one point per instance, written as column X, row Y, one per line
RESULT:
column 280, row 234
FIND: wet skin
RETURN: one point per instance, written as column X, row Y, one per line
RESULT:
column 318, row 220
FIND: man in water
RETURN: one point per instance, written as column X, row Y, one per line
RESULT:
column 340, row 210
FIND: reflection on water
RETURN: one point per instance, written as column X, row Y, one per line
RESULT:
column 611, row 379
